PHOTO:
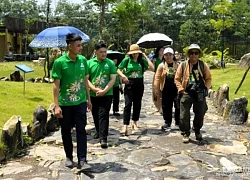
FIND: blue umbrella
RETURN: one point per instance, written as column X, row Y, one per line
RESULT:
column 56, row 37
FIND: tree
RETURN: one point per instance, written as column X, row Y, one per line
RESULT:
column 223, row 9
column 128, row 13
column 102, row 6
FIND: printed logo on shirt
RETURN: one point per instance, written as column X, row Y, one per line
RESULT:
column 82, row 66
column 106, row 66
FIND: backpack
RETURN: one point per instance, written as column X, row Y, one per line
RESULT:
column 141, row 63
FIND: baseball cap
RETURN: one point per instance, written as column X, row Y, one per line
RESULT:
column 168, row 50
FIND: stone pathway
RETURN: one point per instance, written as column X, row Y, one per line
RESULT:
column 149, row 154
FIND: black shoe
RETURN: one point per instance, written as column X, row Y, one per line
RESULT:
column 82, row 165
column 69, row 162
column 198, row 136
column 165, row 126
column 104, row 144
column 116, row 114
column 96, row 136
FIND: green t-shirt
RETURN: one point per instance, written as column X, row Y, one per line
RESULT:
column 133, row 69
column 72, row 79
column 117, row 80
column 157, row 62
column 99, row 74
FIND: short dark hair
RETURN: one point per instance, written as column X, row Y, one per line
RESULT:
column 101, row 44
column 72, row 37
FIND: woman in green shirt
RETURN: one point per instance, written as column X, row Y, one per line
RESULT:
column 131, row 70
column 158, row 57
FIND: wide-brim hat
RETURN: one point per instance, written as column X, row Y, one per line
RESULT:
column 194, row 46
column 134, row 48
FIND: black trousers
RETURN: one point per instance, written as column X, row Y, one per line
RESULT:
column 100, row 111
column 116, row 98
column 133, row 93
column 169, row 96
column 74, row 115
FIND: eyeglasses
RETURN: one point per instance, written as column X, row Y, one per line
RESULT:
column 194, row 52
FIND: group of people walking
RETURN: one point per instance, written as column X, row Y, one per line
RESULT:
column 81, row 86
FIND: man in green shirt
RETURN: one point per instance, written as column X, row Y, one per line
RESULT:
column 71, row 98
column 102, row 73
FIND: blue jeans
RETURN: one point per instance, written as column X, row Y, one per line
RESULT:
column 74, row 115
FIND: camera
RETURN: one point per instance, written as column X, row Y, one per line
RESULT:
column 196, row 92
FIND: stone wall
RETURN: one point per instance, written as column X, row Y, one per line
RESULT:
column 234, row 111
column 14, row 133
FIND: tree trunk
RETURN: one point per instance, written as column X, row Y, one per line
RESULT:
column 102, row 14
column 242, row 80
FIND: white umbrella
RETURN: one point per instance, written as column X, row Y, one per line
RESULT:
column 154, row 40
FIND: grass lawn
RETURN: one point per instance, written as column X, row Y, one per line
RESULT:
column 232, row 76
column 12, row 100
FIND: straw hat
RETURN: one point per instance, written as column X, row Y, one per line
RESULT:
column 195, row 46
column 134, row 48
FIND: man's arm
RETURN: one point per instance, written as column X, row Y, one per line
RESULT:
column 178, row 80
column 108, row 86
column 92, row 87
column 56, row 86
column 87, row 87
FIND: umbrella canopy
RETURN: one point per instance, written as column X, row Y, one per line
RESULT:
column 115, row 55
column 55, row 37
column 154, row 40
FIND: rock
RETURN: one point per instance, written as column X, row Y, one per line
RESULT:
column 223, row 93
column 229, row 166
column 170, row 178
column 39, row 178
column 205, row 158
column 48, row 152
column 39, row 123
column 162, row 162
column 67, row 176
column 190, row 171
column 26, row 129
column 52, row 120
column 30, row 80
column 12, row 134
column 245, row 60
column 16, row 76
column 227, row 107
column 236, row 148
column 15, row 168
column 2, row 155
column 144, row 157
column 237, row 114
column 164, row 168
column 215, row 98
column 145, row 138
column 211, row 93
column 4, row 79
column 180, row 160
column 38, row 80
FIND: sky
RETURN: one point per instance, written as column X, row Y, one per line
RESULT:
column 53, row 2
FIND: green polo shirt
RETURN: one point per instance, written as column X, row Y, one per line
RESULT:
column 132, row 69
column 99, row 74
column 117, row 80
column 157, row 62
column 72, row 79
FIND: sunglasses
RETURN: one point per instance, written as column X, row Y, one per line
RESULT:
column 194, row 52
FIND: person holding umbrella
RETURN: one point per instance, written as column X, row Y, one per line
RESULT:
column 158, row 57
column 164, row 84
column 71, row 98
column 131, row 70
